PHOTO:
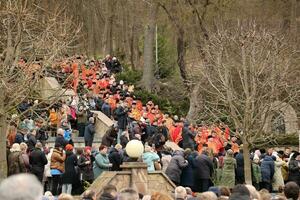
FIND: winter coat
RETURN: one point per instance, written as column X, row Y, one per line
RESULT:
column 203, row 167
column 240, row 175
column 294, row 171
column 228, row 172
column 100, row 164
column 121, row 114
column 25, row 158
column 70, row 174
column 31, row 142
column 256, row 173
column 124, row 140
column 37, row 160
column 106, row 109
column 187, row 137
column 277, row 178
column 89, row 133
column 16, row 163
column 86, row 170
column 187, row 175
column 267, row 169
column 109, row 137
column 175, row 167
column 149, row 158
column 115, row 159
column 165, row 160
column 61, row 141
column 58, row 160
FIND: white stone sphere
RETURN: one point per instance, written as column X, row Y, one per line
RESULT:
column 134, row 148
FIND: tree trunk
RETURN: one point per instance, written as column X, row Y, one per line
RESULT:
column 247, row 163
column 148, row 71
column 195, row 104
column 3, row 160
column 181, row 55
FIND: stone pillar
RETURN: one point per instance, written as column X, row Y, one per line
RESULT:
column 138, row 177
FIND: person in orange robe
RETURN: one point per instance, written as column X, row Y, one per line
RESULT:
column 212, row 145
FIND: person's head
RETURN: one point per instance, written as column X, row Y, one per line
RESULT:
column 270, row 151
column 21, row 187
column 229, row 153
column 92, row 120
column 160, row 196
column 89, row 195
column 254, row 194
column 147, row 148
column 110, row 189
column 64, row 196
column 118, row 147
column 224, row 191
column 128, row 194
column 180, row 193
column 207, row 196
column 60, row 132
column 291, row 190
column 15, row 148
column 87, row 150
column 241, row 189
column 23, row 147
column 103, row 149
column 215, row 190
column 39, row 145
column 287, row 150
column 58, row 147
column 69, row 147
column 264, row 194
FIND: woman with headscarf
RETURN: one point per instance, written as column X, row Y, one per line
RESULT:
column 228, row 171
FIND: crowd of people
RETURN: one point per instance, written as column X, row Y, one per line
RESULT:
column 211, row 155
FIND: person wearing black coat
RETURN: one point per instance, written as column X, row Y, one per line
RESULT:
column 38, row 160
column 115, row 158
column 89, row 132
column 69, row 176
column 121, row 114
column 109, row 137
column 60, row 140
column 239, row 171
column 187, row 175
column 19, row 137
column 187, row 137
column 294, row 168
column 31, row 140
column 203, row 171
column 267, row 172
column 85, row 165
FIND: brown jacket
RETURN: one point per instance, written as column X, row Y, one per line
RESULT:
column 58, row 160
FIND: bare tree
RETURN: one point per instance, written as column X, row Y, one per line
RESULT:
column 148, row 70
column 33, row 32
column 247, row 68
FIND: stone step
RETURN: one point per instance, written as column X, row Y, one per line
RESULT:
column 78, row 141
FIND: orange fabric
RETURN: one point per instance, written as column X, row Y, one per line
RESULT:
column 113, row 103
column 53, row 118
column 139, row 104
column 235, row 147
column 213, row 146
column 151, row 117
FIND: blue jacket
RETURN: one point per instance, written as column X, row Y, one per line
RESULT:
column 149, row 158
column 267, row 169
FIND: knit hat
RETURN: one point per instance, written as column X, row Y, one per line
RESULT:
column 69, row 147
column 87, row 148
column 180, row 192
